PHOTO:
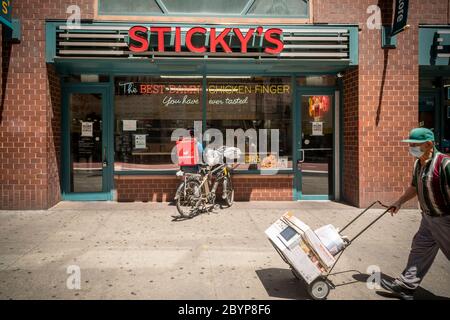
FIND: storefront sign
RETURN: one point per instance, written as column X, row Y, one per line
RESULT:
column 185, row 100
column 5, row 13
column 228, row 101
column 400, row 17
column 140, row 141
column 139, row 39
column 87, row 129
column 317, row 129
column 134, row 88
column 249, row 89
column 129, row 125
column 252, row 158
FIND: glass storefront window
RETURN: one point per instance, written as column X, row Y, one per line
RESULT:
column 317, row 81
column 280, row 8
column 86, row 143
column 317, row 145
column 253, row 103
column 270, row 8
column 205, row 6
column 85, row 78
column 434, row 109
column 147, row 111
column 427, row 105
column 128, row 7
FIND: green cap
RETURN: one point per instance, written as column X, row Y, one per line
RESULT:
column 420, row 135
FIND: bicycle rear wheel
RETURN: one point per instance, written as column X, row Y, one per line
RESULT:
column 228, row 191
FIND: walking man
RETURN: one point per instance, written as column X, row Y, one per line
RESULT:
column 431, row 184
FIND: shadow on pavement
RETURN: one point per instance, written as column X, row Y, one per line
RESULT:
column 420, row 294
column 281, row 283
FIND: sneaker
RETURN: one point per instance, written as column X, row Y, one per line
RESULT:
column 397, row 290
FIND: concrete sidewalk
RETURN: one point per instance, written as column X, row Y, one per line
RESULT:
column 137, row 251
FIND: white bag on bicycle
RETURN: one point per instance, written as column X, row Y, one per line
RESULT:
column 232, row 153
column 212, row 157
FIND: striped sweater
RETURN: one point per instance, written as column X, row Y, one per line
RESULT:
column 432, row 182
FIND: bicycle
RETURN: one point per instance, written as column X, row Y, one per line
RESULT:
column 197, row 192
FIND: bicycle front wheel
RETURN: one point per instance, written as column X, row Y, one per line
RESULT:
column 187, row 197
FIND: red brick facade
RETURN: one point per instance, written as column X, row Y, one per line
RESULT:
column 380, row 98
column 162, row 188
column 30, row 110
column 380, row 107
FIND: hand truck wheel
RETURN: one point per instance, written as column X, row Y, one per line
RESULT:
column 319, row 289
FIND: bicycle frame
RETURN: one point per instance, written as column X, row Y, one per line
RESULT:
column 205, row 184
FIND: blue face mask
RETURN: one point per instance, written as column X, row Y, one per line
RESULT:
column 416, row 152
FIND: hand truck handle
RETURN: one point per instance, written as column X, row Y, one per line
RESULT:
column 370, row 224
column 362, row 231
column 358, row 216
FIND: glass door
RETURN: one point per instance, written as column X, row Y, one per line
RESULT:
column 314, row 173
column 87, row 159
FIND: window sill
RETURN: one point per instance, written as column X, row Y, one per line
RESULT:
column 171, row 174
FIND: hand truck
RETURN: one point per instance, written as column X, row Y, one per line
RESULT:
column 320, row 287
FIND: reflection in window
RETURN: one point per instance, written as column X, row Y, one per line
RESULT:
column 86, row 143
column 254, row 103
column 206, row 6
column 317, row 81
column 317, row 145
column 280, row 8
column 427, row 105
column 127, row 7
column 147, row 111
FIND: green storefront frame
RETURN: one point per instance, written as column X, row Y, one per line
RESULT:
column 107, row 140
column 434, row 77
column 201, row 67
column 298, row 193
column 107, row 91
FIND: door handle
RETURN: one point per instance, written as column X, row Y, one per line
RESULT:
column 105, row 161
column 302, row 159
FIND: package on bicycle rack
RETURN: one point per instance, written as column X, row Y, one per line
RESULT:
column 300, row 247
column 187, row 152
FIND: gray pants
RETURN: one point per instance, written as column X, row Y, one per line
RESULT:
column 433, row 234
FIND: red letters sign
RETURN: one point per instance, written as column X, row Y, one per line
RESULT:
column 140, row 39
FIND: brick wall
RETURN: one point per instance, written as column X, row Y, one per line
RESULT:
column 350, row 181
column 259, row 188
column 53, row 137
column 146, row 188
column 29, row 126
column 376, row 164
column 163, row 188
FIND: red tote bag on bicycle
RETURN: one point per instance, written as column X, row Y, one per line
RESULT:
column 187, row 152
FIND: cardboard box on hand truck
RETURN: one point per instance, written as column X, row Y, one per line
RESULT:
column 300, row 246
column 312, row 239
